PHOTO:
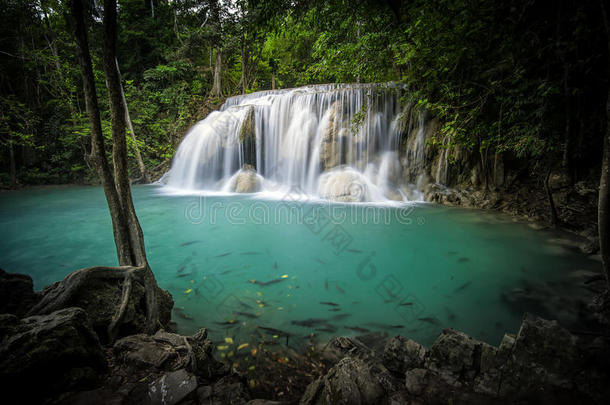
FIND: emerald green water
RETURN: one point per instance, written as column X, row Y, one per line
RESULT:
column 403, row 269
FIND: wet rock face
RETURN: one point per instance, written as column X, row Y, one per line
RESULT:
column 343, row 185
column 163, row 351
column 172, row 388
column 401, row 354
column 349, row 382
column 43, row 356
column 99, row 297
column 16, row 293
column 247, row 181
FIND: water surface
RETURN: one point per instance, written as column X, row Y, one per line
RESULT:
column 239, row 264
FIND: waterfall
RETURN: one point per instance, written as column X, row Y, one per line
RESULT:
column 338, row 142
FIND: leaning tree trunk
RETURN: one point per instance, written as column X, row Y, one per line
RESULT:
column 603, row 213
column 136, row 149
column 126, row 228
column 217, row 87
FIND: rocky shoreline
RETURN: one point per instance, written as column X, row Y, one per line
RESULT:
column 60, row 358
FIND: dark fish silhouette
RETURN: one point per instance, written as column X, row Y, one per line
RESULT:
column 267, row 283
column 403, row 304
column 339, row 289
column 332, row 304
column 353, row 250
column 320, row 261
column 309, row 322
column 223, row 254
column 335, row 309
column 463, row 260
column 384, row 325
column 326, row 284
column 339, row 317
column 189, row 242
column 275, row 265
column 462, row 287
column 274, row 331
column 225, row 323
column 184, row 275
column 431, row 321
column 357, row 329
column 327, row 328
column 246, row 314
column 226, row 272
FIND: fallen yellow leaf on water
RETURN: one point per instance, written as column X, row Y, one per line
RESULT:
column 254, row 351
column 275, row 336
column 260, row 294
column 229, row 340
column 285, row 276
column 252, row 384
column 223, row 347
column 251, row 368
column 260, row 305
column 230, row 354
column 242, row 346
column 188, row 291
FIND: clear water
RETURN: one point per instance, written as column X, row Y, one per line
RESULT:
column 401, row 269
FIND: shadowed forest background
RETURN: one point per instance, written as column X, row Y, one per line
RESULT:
column 524, row 78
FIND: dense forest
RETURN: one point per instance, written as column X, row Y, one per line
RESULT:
column 516, row 76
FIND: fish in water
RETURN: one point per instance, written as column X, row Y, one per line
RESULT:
column 246, row 314
column 275, row 265
column 384, row 325
column 180, row 312
column 184, row 275
column 405, row 304
column 463, row 260
column 339, row 317
column 332, row 304
column 189, row 242
column 320, row 261
column 326, row 284
column 353, row 250
column 357, row 329
column 267, row 283
column 339, row 289
column 230, row 322
column 430, row 320
column 223, row 254
column 274, row 331
column 327, row 328
column 309, row 322
column 335, row 309
column 462, row 287
column 244, row 305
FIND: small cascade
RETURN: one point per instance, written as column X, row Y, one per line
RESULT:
column 349, row 143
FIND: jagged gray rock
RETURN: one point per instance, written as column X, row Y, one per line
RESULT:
column 17, row 295
column 43, row 356
column 401, row 354
column 349, row 382
column 172, row 388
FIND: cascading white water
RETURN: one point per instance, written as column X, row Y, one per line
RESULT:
column 340, row 142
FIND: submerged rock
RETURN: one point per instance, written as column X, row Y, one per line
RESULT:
column 43, row 356
column 17, row 295
column 246, row 181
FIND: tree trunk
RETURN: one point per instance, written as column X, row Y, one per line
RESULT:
column 119, row 144
column 126, row 228
column 603, row 213
column 136, row 149
column 13, row 166
column 217, row 87
column 98, row 154
column 272, row 80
